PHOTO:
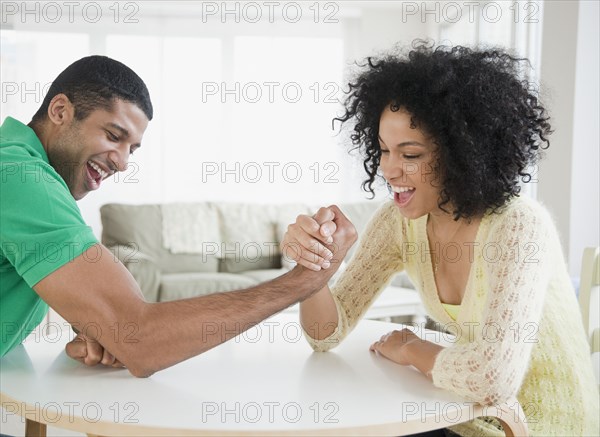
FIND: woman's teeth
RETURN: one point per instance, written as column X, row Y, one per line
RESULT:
column 402, row 189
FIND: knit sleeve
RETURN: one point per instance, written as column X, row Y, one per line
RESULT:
column 377, row 257
column 489, row 368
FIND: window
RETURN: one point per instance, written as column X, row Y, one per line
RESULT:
column 515, row 25
column 30, row 62
column 243, row 109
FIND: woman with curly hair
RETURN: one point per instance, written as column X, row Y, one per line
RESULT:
column 452, row 131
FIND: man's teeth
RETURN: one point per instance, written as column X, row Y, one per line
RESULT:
column 402, row 189
column 98, row 169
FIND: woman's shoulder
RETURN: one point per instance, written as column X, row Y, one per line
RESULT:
column 523, row 205
column 387, row 220
column 521, row 213
column 387, row 211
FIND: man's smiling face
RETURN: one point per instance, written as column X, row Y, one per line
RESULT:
column 85, row 152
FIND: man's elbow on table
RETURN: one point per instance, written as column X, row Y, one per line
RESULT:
column 102, row 301
column 141, row 372
column 139, row 361
column 91, row 352
column 146, row 353
column 161, row 341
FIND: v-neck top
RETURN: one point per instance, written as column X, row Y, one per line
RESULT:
column 519, row 330
column 452, row 310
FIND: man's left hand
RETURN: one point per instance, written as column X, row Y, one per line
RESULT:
column 90, row 352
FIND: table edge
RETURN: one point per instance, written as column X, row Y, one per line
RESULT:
column 106, row 428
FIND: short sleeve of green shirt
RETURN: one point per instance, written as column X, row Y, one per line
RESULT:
column 41, row 229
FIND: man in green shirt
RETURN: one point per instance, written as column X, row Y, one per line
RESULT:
column 92, row 118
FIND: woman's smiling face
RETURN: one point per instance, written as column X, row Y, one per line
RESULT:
column 407, row 162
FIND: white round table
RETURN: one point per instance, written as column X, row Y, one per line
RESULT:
column 267, row 381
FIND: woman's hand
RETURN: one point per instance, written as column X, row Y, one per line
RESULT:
column 406, row 348
column 393, row 345
column 309, row 241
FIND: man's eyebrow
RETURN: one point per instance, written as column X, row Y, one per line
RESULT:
column 404, row 143
column 124, row 132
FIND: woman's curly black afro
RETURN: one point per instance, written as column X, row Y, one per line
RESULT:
column 486, row 121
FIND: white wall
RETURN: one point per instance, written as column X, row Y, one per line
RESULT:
column 557, row 77
column 177, row 49
column 568, row 176
column 584, row 228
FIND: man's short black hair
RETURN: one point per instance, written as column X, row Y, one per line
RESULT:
column 95, row 82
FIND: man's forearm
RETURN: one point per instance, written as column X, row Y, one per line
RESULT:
column 170, row 332
column 102, row 300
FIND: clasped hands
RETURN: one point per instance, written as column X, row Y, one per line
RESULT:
column 319, row 241
column 310, row 241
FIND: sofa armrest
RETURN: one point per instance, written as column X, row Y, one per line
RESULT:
column 142, row 267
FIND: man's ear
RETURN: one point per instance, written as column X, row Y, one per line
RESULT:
column 60, row 110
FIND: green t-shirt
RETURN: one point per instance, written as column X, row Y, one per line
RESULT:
column 41, row 229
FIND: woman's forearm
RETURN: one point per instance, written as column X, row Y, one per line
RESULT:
column 422, row 354
column 318, row 314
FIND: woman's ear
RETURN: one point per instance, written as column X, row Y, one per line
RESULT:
column 61, row 110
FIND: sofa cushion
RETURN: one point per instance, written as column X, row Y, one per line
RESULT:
column 245, row 224
column 253, row 233
column 190, row 227
column 249, row 262
column 176, row 286
column 141, row 226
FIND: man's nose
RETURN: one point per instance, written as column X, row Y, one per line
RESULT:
column 120, row 158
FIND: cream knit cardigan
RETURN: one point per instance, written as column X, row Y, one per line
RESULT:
column 519, row 330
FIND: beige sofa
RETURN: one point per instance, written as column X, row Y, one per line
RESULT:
column 238, row 247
